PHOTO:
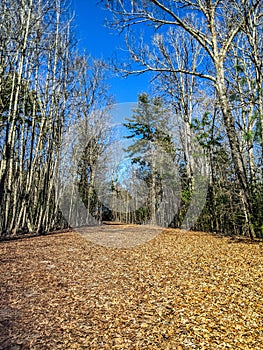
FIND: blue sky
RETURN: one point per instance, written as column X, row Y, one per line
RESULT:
column 102, row 42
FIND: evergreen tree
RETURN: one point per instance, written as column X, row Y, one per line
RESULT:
column 151, row 141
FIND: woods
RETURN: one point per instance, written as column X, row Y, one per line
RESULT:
column 204, row 117
column 45, row 86
column 138, row 224
column 207, row 57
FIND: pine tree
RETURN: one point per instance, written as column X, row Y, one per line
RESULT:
column 151, row 140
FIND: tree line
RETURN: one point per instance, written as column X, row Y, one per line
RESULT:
column 46, row 84
column 206, row 60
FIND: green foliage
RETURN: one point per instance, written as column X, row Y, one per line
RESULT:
column 28, row 99
column 258, row 208
column 148, row 126
column 239, row 68
column 148, row 130
column 86, row 170
column 204, row 130
column 142, row 215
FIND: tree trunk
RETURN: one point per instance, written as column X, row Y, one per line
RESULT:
column 240, row 170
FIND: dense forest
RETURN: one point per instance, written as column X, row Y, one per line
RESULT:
column 195, row 143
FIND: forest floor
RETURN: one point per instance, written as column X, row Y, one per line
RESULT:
column 179, row 290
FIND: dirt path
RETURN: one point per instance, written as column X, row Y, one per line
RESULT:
column 176, row 291
column 120, row 236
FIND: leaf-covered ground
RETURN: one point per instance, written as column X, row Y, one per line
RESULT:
column 178, row 291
